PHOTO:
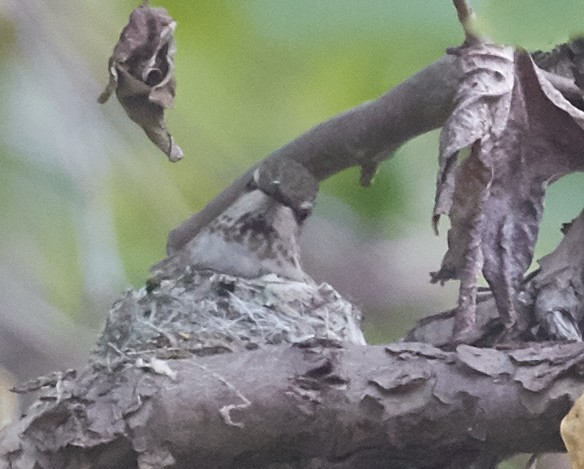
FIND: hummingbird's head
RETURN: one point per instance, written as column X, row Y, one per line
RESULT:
column 289, row 183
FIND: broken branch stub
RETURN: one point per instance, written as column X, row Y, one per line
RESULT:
column 558, row 287
column 141, row 71
column 402, row 405
column 523, row 135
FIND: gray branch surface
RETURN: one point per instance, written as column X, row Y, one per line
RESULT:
column 362, row 136
column 311, row 405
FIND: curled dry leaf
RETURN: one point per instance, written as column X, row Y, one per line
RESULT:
column 141, row 71
column 523, row 135
column 572, row 431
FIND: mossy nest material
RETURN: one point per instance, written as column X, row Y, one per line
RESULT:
column 205, row 312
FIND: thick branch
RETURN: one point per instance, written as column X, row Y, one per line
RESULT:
column 550, row 302
column 401, row 405
column 363, row 136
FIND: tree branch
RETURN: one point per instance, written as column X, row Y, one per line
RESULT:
column 363, row 136
column 401, row 405
column 550, row 301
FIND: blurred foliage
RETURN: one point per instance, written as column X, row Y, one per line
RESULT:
column 87, row 201
column 532, row 24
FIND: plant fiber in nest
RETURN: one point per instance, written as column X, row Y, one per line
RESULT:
column 204, row 312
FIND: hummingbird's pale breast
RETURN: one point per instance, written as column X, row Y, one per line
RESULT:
column 257, row 235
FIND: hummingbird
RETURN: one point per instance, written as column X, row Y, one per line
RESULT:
column 258, row 234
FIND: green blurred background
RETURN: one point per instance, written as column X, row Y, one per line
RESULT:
column 86, row 201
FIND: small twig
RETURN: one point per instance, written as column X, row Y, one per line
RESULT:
column 466, row 17
column 117, row 350
column 532, row 463
column 171, row 340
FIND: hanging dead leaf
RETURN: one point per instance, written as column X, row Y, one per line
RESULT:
column 141, row 71
column 523, row 135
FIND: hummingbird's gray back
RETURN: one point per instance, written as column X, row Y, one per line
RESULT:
column 257, row 235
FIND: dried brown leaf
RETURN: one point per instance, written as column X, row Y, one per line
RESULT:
column 141, row 71
column 572, row 431
column 523, row 135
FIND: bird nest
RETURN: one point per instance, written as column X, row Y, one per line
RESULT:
column 204, row 312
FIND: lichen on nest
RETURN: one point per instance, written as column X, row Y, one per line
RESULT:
column 203, row 312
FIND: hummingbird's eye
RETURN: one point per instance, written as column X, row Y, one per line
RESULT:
column 303, row 211
column 252, row 184
column 302, row 214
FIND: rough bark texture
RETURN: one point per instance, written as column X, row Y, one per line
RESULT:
column 310, row 405
column 148, row 401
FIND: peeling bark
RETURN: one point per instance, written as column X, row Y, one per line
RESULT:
column 310, row 405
